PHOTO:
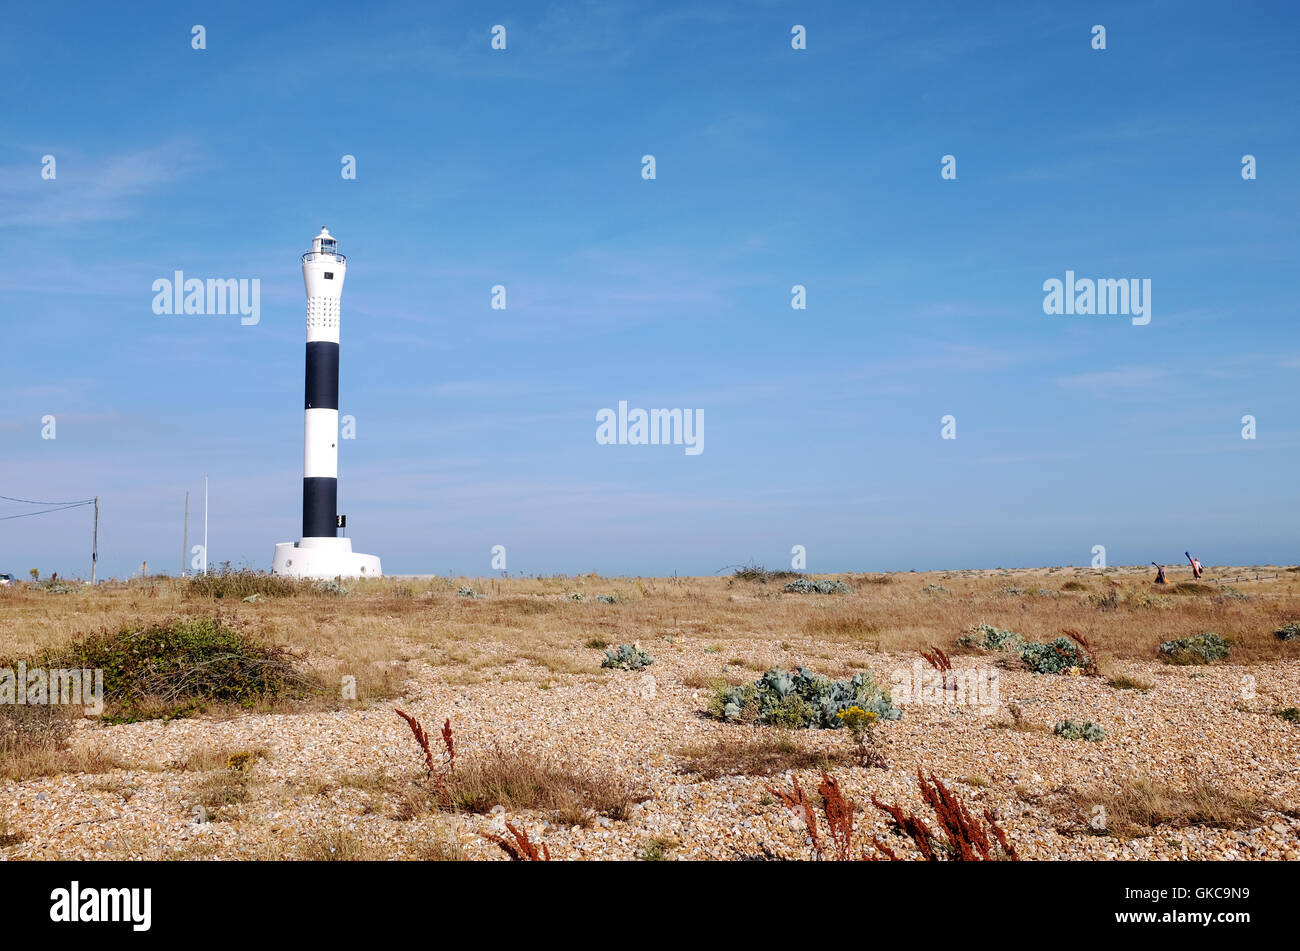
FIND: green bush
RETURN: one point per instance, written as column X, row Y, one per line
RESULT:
column 803, row 699
column 818, row 586
column 1087, row 730
column 1204, row 648
column 1288, row 632
column 178, row 666
column 627, row 657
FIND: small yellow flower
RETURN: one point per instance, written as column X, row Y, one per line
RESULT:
column 855, row 718
column 238, row 762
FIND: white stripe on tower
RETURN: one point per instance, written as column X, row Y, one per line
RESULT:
column 321, row 459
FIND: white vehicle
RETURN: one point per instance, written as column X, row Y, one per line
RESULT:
column 6, row 580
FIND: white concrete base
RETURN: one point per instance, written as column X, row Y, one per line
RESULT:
column 324, row 559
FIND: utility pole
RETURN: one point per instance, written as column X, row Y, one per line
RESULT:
column 94, row 551
column 205, row 525
column 185, row 538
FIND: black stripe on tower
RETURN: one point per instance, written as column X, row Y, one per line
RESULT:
column 322, row 375
column 320, row 502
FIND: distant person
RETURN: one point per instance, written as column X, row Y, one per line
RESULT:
column 1196, row 565
column 1160, row 574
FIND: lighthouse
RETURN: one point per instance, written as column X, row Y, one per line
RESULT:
column 320, row 553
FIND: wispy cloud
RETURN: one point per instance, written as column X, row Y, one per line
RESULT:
column 485, row 389
column 90, row 188
column 1120, row 378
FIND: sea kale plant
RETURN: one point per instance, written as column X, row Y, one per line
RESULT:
column 805, row 699
column 1204, row 648
column 1288, row 632
column 817, row 586
column 1060, row 656
column 1055, row 657
column 988, row 638
column 627, row 657
column 1087, row 730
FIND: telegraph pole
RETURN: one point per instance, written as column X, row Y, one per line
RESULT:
column 94, row 550
column 185, row 538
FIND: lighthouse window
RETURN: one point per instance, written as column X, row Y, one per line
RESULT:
column 329, row 275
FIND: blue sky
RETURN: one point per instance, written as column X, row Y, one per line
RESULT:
column 476, row 427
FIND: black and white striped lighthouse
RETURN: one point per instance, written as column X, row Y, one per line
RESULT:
column 323, row 271
column 321, row 553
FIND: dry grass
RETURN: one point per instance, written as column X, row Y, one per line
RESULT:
column 384, row 624
column 1137, row 806
column 530, row 630
column 441, row 846
column 338, row 845
column 35, row 741
column 221, row 793
column 841, row 627
column 1128, row 682
column 30, row 726
column 762, row 753
column 9, row 836
column 1191, row 587
column 345, row 845
column 1017, row 721
column 518, row 781
column 218, row 757
column 657, row 848
column 35, row 762
column 509, row 779
column 226, row 781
